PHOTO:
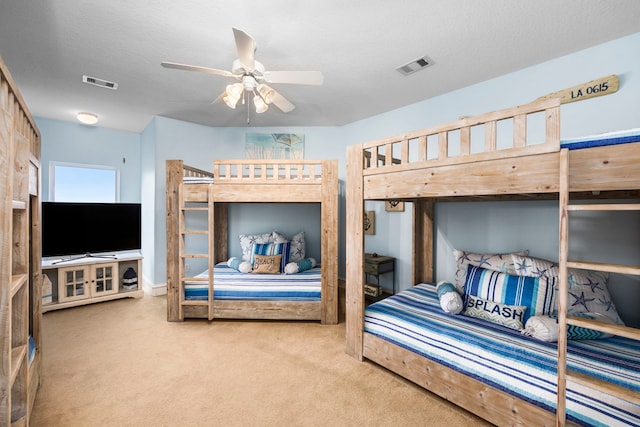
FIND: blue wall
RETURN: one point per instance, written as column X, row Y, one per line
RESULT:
column 496, row 227
column 76, row 143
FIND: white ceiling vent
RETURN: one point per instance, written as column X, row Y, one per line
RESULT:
column 415, row 65
column 99, row 82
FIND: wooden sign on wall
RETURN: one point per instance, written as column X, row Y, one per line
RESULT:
column 598, row 87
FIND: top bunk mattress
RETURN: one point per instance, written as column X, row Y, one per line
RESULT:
column 197, row 179
column 230, row 284
column 507, row 360
column 599, row 140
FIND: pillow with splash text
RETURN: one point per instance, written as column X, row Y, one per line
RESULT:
column 511, row 316
column 538, row 294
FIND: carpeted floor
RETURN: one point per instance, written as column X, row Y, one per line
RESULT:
column 121, row 363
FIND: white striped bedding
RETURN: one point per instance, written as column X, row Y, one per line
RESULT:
column 599, row 140
column 230, row 284
column 508, row 360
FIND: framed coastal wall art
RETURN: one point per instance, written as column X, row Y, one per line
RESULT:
column 394, row 206
column 274, row 146
column 369, row 222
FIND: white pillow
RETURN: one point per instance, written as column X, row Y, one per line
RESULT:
column 450, row 299
column 543, row 328
column 494, row 262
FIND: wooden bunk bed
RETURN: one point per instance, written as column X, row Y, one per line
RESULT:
column 405, row 168
column 248, row 181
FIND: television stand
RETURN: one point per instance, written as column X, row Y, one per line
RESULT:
column 87, row 255
column 91, row 278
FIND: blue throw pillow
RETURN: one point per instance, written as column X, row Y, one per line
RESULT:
column 536, row 293
column 283, row 249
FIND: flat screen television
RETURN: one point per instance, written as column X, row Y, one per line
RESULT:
column 70, row 229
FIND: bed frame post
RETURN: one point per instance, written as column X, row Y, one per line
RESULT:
column 355, row 252
column 329, row 249
column 174, row 170
column 423, row 243
column 220, row 230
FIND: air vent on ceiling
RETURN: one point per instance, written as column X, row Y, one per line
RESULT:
column 99, row 82
column 415, row 65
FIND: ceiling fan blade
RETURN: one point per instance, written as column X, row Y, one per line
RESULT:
column 281, row 102
column 294, row 77
column 246, row 47
column 207, row 70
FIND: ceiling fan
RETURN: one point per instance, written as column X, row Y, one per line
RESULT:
column 252, row 77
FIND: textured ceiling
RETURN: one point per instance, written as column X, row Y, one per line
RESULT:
column 48, row 46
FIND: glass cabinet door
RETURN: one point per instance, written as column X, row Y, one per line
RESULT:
column 105, row 279
column 73, row 284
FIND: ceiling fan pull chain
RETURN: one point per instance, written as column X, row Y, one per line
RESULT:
column 248, row 113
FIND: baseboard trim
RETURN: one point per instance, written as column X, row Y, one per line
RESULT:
column 155, row 290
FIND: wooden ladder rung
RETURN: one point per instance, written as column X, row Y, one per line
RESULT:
column 204, row 232
column 194, row 256
column 607, row 387
column 599, row 266
column 194, row 279
column 605, row 207
column 184, row 208
column 609, row 328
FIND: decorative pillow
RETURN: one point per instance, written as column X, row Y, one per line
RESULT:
column 588, row 290
column 580, row 333
column 298, row 245
column 538, row 294
column 450, row 299
column 266, row 264
column 496, row 262
column 248, row 240
column 299, row 266
column 511, row 316
column 237, row 264
column 545, row 328
column 283, row 249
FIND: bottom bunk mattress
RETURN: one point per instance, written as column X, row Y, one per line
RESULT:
column 230, row 284
column 507, row 360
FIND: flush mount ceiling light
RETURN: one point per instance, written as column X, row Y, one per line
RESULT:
column 87, row 118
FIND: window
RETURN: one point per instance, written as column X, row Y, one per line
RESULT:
column 83, row 183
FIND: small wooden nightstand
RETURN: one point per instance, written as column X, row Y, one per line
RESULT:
column 374, row 266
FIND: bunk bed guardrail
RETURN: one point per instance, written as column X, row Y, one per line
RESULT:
column 450, row 143
column 283, row 171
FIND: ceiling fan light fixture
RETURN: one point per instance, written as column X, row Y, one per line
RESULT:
column 233, row 94
column 260, row 105
column 231, row 102
column 87, row 118
column 266, row 93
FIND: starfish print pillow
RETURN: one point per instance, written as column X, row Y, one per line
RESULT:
column 588, row 291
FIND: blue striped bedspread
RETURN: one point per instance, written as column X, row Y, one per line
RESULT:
column 507, row 360
column 609, row 138
column 230, row 284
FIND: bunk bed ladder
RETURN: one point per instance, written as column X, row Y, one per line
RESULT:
column 564, row 320
column 184, row 256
